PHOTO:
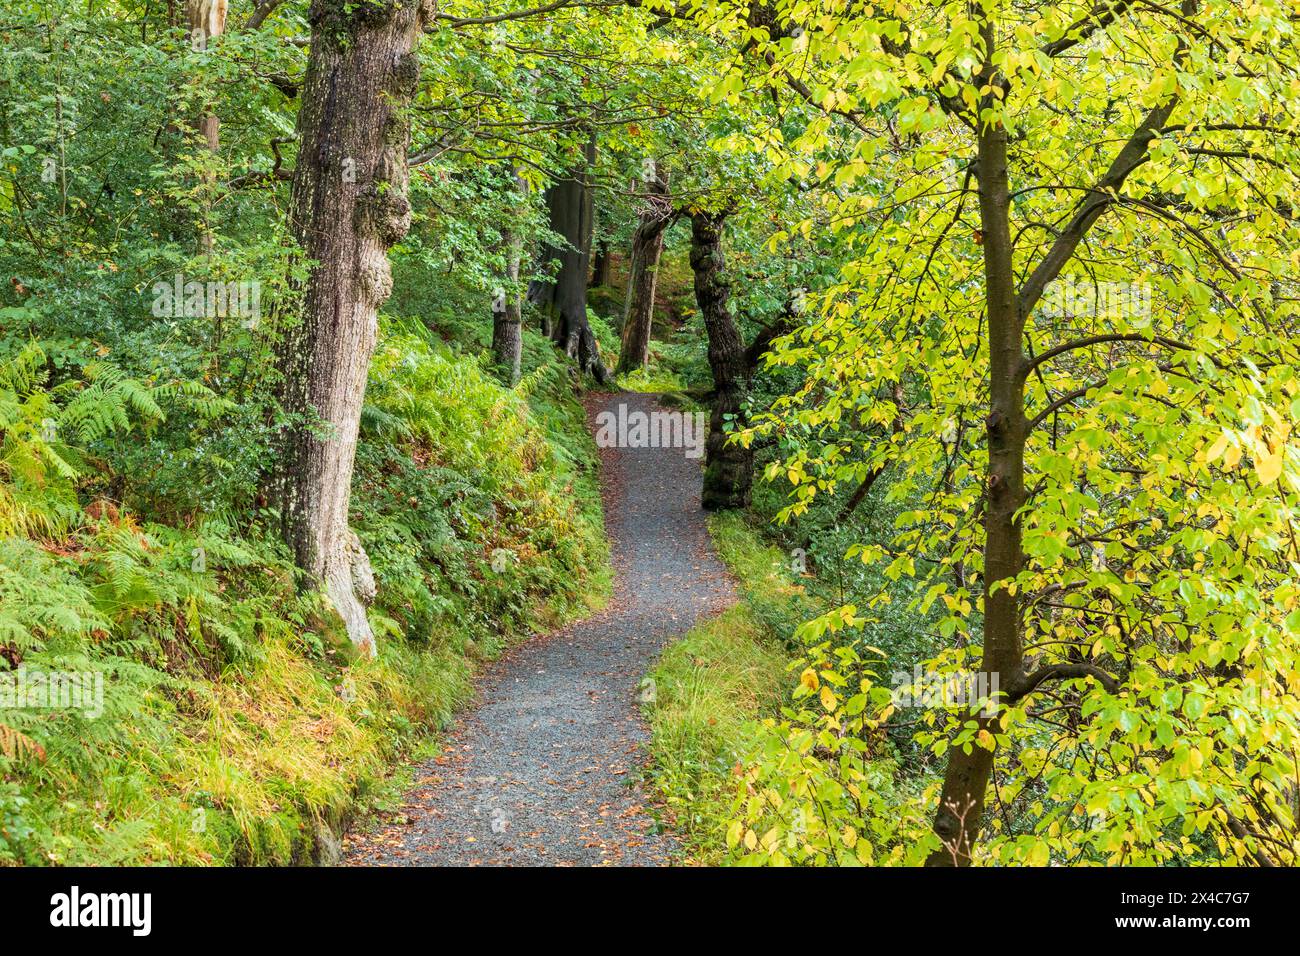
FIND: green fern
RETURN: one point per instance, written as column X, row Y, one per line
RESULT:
column 44, row 430
column 42, row 598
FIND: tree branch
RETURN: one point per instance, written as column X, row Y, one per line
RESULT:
column 1098, row 18
column 1030, row 364
column 456, row 23
column 276, row 172
column 260, row 13
column 1057, row 404
column 1061, row 671
column 763, row 342
column 857, row 497
column 1099, row 197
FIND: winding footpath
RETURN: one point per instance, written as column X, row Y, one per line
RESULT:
column 546, row 769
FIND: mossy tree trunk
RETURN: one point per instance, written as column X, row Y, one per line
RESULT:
column 348, row 206
column 728, row 467
column 643, row 274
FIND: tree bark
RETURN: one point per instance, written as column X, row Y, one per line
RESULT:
column 348, row 206
column 728, row 467
column 643, row 274
column 961, row 803
column 207, row 20
column 507, row 320
column 600, row 266
column 563, row 300
column 507, row 313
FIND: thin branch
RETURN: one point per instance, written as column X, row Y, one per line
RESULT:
column 1030, row 364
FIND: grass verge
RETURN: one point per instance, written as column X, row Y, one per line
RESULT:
column 713, row 685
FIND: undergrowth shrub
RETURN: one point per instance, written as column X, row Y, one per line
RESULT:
column 473, row 508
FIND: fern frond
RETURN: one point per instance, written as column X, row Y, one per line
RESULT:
column 15, row 744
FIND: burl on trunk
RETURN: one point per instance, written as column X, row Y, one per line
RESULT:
column 348, row 206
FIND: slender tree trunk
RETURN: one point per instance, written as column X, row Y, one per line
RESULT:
column 563, row 301
column 507, row 313
column 643, row 268
column 961, row 806
column 348, row 206
column 600, row 266
column 207, row 21
column 507, row 319
column 728, row 467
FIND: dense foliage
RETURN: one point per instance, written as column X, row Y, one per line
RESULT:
column 1010, row 299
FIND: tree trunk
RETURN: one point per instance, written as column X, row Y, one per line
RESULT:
column 728, row 467
column 961, row 804
column 507, row 314
column 600, row 266
column 207, row 20
column 563, row 301
column 643, row 269
column 507, row 319
column 348, row 206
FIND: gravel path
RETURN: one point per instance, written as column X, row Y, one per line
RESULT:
column 546, row 769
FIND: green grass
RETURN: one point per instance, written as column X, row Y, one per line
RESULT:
column 715, row 683
column 730, row 745
column 710, row 686
column 650, row 380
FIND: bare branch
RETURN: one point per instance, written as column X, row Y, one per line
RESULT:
column 1062, row 671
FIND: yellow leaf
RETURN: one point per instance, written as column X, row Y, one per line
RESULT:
column 828, row 698
column 809, row 679
column 1218, row 448
column 733, row 833
column 1268, row 467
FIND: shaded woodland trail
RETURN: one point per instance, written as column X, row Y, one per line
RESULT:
column 545, row 770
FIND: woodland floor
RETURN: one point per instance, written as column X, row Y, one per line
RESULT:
column 547, row 767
